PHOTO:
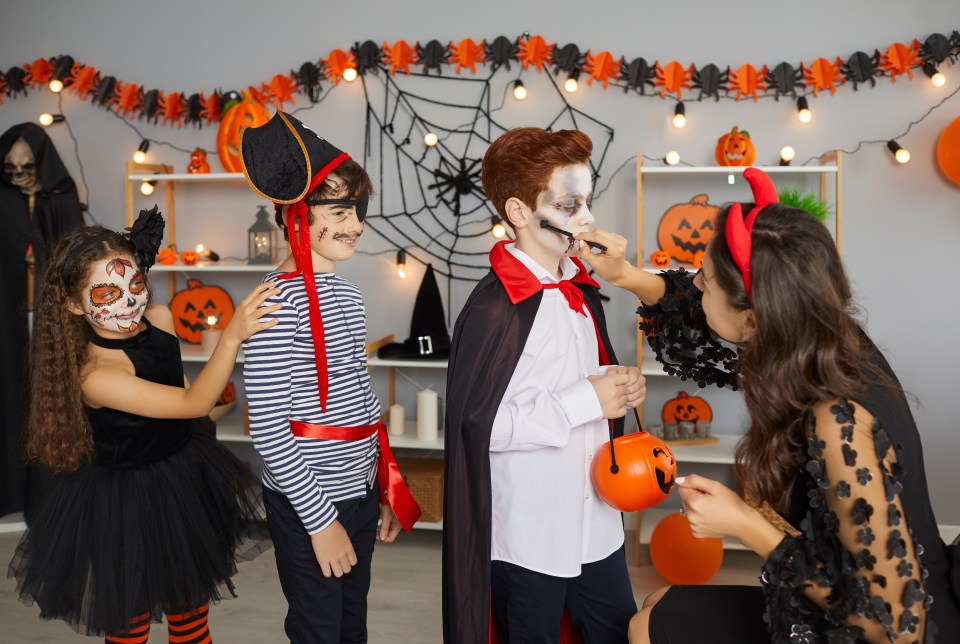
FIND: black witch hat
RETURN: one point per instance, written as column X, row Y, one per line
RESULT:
column 428, row 339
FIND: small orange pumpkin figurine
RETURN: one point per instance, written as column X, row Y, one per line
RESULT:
column 189, row 257
column 735, row 148
column 660, row 258
column 686, row 408
column 198, row 162
column 698, row 259
column 167, row 256
column 228, row 396
column 646, row 471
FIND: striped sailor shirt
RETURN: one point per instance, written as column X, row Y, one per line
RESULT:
column 280, row 379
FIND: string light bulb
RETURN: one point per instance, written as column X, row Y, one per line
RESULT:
column 55, row 85
column 499, row 231
column 519, row 91
column 141, row 154
column 571, row 84
column 672, row 157
column 900, row 153
column 803, row 110
column 350, row 74
column 430, row 139
column 47, row 119
column 787, row 154
column 206, row 253
column 680, row 115
column 402, row 263
column 147, row 187
column 935, row 75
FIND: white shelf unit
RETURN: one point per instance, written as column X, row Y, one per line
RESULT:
column 831, row 166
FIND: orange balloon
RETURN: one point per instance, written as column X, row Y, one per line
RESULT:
column 680, row 557
column 948, row 151
column 647, row 470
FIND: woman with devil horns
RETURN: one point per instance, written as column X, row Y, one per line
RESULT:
column 832, row 444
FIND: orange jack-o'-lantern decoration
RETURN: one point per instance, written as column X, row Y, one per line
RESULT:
column 167, row 256
column 948, row 151
column 646, row 471
column 680, row 557
column 685, row 408
column 685, row 228
column 246, row 113
column 660, row 258
column 192, row 306
column 189, row 257
column 698, row 259
column 228, row 396
column 735, row 148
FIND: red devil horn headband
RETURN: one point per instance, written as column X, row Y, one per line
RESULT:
column 739, row 230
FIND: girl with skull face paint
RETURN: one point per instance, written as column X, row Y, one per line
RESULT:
column 147, row 512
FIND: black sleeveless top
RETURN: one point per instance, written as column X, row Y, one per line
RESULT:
column 123, row 440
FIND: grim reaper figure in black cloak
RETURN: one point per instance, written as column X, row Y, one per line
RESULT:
column 38, row 204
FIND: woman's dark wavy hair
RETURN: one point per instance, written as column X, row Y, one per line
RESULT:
column 808, row 344
column 347, row 181
column 59, row 435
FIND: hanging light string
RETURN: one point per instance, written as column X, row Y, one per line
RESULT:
column 85, row 203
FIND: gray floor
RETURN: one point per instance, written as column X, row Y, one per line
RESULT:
column 404, row 599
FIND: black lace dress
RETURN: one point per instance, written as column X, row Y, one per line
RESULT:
column 156, row 521
column 860, row 502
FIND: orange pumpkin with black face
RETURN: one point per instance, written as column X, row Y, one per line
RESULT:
column 736, row 149
column 246, row 113
column 189, row 257
column 192, row 306
column 646, row 472
column 167, row 256
column 229, row 394
column 698, row 259
column 660, row 258
column 685, row 228
column 685, row 408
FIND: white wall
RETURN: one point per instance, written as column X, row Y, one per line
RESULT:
column 900, row 222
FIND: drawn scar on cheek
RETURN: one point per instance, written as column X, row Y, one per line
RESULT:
column 323, row 233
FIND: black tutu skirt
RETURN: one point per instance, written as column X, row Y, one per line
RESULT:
column 109, row 544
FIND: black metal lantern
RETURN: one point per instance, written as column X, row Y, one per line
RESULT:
column 262, row 239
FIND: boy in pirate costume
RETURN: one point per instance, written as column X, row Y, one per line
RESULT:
column 313, row 416
column 531, row 399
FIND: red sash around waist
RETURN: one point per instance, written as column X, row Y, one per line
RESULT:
column 390, row 483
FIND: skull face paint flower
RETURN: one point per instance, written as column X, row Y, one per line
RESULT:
column 116, row 295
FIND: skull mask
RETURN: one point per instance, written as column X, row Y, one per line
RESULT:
column 21, row 166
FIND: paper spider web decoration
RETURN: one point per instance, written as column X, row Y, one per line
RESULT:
column 430, row 200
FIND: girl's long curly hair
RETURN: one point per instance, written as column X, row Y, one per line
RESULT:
column 59, row 435
column 808, row 345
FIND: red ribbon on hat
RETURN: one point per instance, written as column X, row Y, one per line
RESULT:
column 738, row 229
column 303, row 257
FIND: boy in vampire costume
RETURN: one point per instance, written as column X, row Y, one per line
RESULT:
column 329, row 476
column 533, row 393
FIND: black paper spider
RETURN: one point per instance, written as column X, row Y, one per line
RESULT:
column 151, row 105
column 104, row 91
column 432, row 56
column 15, row 85
column 567, row 58
column 785, row 79
column 368, row 57
column 463, row 181
column 710, row 81
column 937, row 48
column 637, row 75
column 861, row 68
column 194, row 107
column 308, row 78
column 500, row 52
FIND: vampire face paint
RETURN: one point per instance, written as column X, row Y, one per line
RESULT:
column 116, row 295
column 565, row 204
column 21, row 166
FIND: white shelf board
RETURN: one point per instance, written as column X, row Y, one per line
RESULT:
column 230, row 427
column 428, row 525
column 224, row 266
column 722, row 452
column 651, row 367
column 374, row 361
column 199, row 177
column 719, row 169
column 193, row 353
column 409, row 438
column 653, row 516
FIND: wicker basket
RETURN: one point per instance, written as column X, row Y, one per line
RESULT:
column 424, row 477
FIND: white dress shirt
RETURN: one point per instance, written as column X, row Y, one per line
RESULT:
column 547, row 516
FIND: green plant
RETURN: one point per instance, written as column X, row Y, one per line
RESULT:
column 805, row 201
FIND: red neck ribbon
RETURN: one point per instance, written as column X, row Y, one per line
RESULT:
column 738, row 229
column 303, row 257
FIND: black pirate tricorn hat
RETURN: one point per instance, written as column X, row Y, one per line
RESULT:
column 428, row 339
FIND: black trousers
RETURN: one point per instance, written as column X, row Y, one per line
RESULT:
column 322, row 610
column 528, row 606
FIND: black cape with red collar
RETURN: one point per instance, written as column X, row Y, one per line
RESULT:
column 488, row 339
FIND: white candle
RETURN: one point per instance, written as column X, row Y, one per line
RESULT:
column 396, row 420
column 427, row 415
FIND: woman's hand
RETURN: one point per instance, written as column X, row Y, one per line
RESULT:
column 612, row 264
column 246, row 318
